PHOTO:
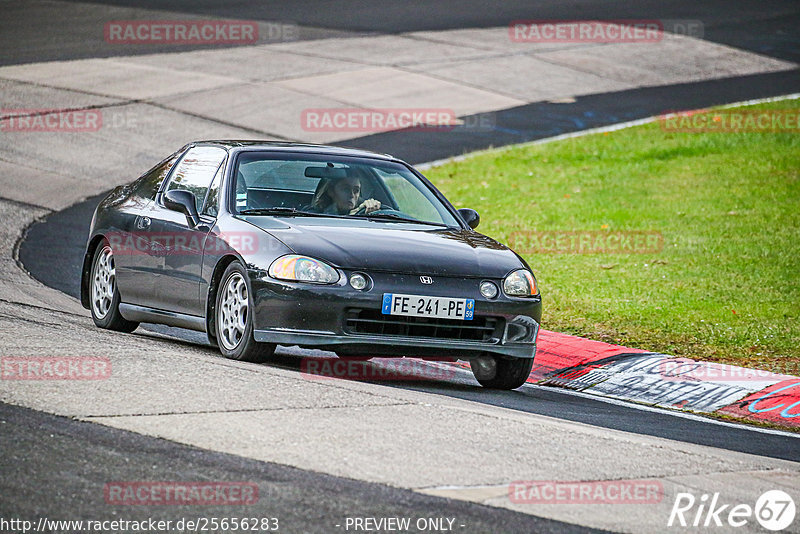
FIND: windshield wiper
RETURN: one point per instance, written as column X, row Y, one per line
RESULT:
column 400, row 218
column 282, row 211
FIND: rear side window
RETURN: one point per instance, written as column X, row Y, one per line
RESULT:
column 148, row 185
column 196, row 170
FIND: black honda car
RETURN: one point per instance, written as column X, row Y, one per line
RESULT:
column 261, row 244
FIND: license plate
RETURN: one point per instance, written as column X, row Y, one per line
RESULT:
column 420, row 306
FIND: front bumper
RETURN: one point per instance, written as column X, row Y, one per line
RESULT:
column 321, row 316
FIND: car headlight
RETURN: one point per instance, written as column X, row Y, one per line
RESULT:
column 303, row 269
column 488, row 289
column 520, row 283
column 359, row 281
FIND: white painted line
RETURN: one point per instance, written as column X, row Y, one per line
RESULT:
column 645, row 408
column 591, row 131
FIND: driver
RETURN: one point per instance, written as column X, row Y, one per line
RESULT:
column 341, row 196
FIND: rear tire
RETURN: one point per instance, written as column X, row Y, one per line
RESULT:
column 233, row 318
column 511, row 373
column 103, row 293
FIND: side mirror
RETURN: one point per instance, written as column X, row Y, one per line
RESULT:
column 184, row 202
column 470, row 217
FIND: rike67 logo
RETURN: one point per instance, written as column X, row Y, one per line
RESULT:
column 774, row 510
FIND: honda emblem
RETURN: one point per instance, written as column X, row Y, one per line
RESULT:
column 426, row 279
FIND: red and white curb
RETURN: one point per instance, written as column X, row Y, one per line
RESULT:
column 634, row 375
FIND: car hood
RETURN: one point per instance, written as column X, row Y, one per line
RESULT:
column 393, row 247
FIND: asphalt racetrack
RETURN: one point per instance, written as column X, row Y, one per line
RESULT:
column 321, row 452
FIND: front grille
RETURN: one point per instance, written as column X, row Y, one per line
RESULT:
column 373, row 322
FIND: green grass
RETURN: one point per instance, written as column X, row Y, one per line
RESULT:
column 726, row 285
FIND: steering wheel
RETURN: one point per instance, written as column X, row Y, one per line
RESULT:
column 384, row 208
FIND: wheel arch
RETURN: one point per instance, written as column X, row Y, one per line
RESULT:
column 213, row 287
column 86, row 271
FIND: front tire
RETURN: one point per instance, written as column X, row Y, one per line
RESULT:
column 234, row 319
column 510, row 373
column 104, row 294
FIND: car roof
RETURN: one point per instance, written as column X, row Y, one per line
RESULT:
column 301, row 148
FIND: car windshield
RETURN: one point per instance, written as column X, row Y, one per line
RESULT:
column 328, row 186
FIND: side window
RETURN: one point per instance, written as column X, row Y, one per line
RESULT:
column 149, row 184
column 196, row 170
column 410, row 199
column 212, row 199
